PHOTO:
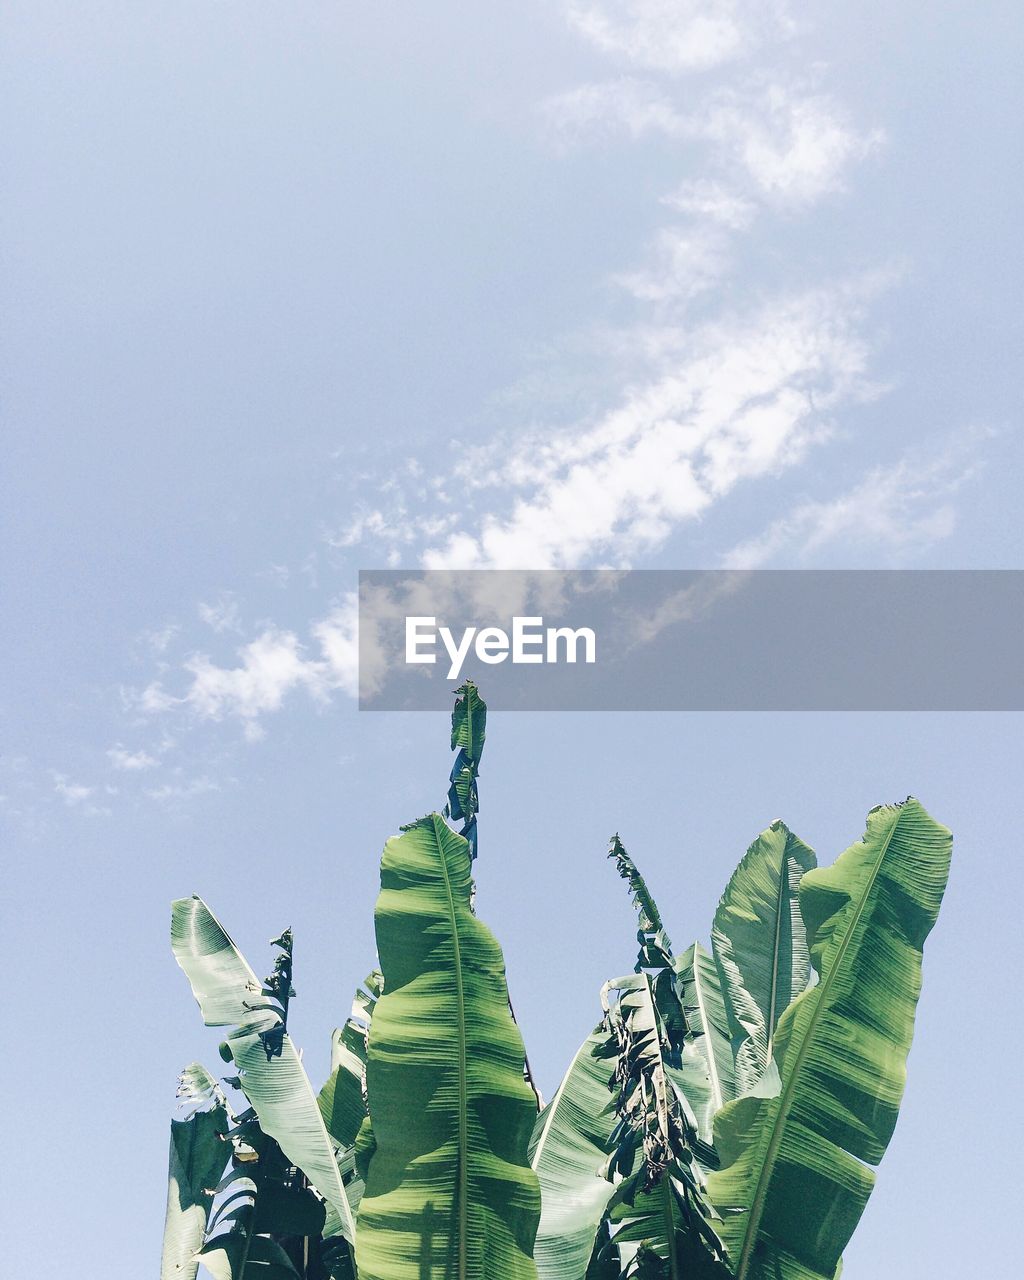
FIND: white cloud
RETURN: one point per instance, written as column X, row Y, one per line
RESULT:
column 746, row 404
column 222, row 615
column 278, row 574
column 900, row 509
column 338, row 636
column 170, row 792
column 744, row 401
column 367, row 524
column 783, row 144
column 676, row 35
column 269, row 668
column 688, row 262
column 159, row 641
column 130, row 761
column 72, row 793
column 152, row 700
column 712, row 202
column 610, row 107
column 79, row 797
column 395, row 529
column 794, row 146
column 706, row 409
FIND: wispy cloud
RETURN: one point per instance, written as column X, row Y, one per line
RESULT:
column 773, row 139
column 72, row 793
column 221, row 615
column 746, row 401
column 82, row 798
column 894, row 511
column 131, row 761
column 792, row 144
column 704, row 410
column 740, row 399
column 713, row 202
column 268, row 669
column 677, row 35
column 592, row 112
column 174, row 793
column 687, row 262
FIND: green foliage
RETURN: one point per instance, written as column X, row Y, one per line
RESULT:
column 571, row 1142
column 469, row 726
column 197, row 1159
column 796, row 1171
column 721, row 1120
column 707, row 1072
column 342, row 1100
column 451, row 1111
column 659, row 1215
column 760, row 945
column 270, row 1071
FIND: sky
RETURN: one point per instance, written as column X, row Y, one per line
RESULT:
column 294, row 290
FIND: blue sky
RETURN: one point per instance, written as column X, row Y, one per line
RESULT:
column 294, row 290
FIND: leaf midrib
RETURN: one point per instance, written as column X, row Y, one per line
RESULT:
column 786, row 1100
column 670, row 1226
column 463, row 1143
column 716, row 1083
column 469, row 728
column 773, row 990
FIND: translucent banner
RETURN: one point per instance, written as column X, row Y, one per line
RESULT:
column 694, row 640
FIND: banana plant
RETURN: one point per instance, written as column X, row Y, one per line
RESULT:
column 717, row 1027
column 722, row 1119
column 796, row 1166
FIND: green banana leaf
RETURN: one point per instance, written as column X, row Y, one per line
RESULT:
column 658, row 1214
column 604, row 1262
column 238, row 1256
column 197, row 1159
column 655, row 944
column 341, row 1100
column 259, row 1203
column 270, row 1072
column 707, row 1073
column 450, row 1194
column 571, row 1142
column 760, row 945
column 660, row 1218
column 469, row 724
column 795, row 1173
column 659, row 1237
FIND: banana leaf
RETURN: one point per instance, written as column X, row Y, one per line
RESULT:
column 450, row 1194
column 660, row 1234
column 706, row 1074
column 240, row 1256
column 197, row 1159
column 262, row 1207
column 660, row 1219
column 341, row 1100
column 469, row 725
column 655, row 944
column 760, row 945
column 796, row 1168
column 270, row 1072
column 571, row 1142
